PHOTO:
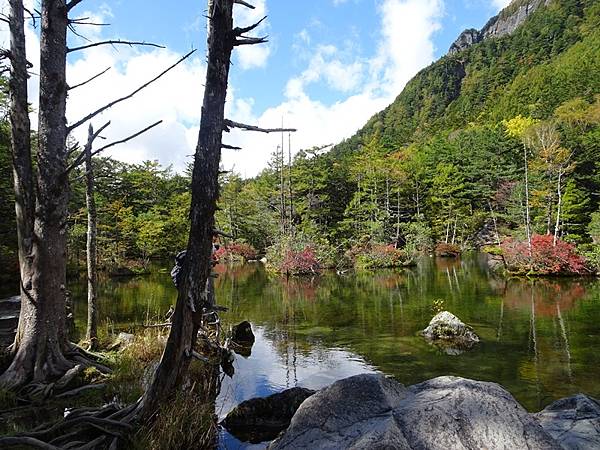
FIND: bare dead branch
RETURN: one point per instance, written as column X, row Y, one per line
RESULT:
column 127, row 139
column 239, row 31
column 230, row 147
column 85, row 21
column 250, row 41
column 91, row 138
column 114, row 42
column 76, row 33
column 127, row 97
column 243, row 3
column 89, row 79
column 231, row 124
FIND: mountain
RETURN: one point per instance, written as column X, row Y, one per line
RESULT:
column 530, row 58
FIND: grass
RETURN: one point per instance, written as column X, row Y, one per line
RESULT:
column 132, row 366
column 187, row 421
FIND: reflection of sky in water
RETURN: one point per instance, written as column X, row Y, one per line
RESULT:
column 266, row 372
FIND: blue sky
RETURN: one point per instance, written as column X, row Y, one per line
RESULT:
column 329, row 65
column 351, row 24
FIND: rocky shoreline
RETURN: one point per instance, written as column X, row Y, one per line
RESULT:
column 372, row 411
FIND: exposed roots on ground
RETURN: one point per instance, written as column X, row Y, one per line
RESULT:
column 76, row 361
column 110, row 426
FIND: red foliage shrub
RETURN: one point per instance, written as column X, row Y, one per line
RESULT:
column 546, row 258
column 235, row 251
column 447, row 250
column 376, row 256
column 300, row 263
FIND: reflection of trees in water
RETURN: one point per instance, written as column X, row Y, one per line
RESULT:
column 546, row 293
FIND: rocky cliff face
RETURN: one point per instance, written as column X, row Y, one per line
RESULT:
column 509, row 19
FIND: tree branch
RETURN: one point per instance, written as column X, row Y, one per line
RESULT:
column 114, row 42
column 250, row 41
column 231, row 124
column 127, row 139
column 239, row 31
column 243, row 3
column 72, row 4
column 91, row 138
column 127, row 97
column 230, row 147
column 90, row 79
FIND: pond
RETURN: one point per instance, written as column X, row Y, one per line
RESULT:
column 540, row 338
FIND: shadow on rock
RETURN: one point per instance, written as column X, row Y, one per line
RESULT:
column 262, row 419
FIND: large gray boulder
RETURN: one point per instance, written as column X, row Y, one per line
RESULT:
column 573, row 421
column 450, row 334
column 374, row 412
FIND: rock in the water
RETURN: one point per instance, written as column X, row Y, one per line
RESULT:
column 242, row 333
column 374, row 412
column 262, row 419
column 450, row 334
column 573, row 421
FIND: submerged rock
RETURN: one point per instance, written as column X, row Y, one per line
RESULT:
column 242, row 338
column 573, row 421
column 242, row 333
column 374, row 412
column 450, row 334
column 262, row 419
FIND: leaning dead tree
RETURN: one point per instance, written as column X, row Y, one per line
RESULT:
column 42, row 353
column 192, row 301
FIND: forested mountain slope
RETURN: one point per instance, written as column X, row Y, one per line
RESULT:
column 446, row 158
column 552, row 57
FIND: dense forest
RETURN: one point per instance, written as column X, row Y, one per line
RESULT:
column 445, row 162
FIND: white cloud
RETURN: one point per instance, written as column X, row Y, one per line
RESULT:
column 253, row 56
column 407, row 27
column 325, row 64
column 501, row 4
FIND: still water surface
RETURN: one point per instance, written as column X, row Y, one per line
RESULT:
column 540, row 338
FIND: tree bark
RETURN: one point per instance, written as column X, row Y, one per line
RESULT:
column 41, row 339
column 192, row 291
column 21, row 151
column 92, row 270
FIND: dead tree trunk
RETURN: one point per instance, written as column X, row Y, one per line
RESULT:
column 91, row 335
column 21, row 153
column 205, row 190
column 193, row 293
column 41, row 345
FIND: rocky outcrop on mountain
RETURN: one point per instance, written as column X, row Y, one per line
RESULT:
column 466, row 39
column 509, row 19
column 375, row 412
